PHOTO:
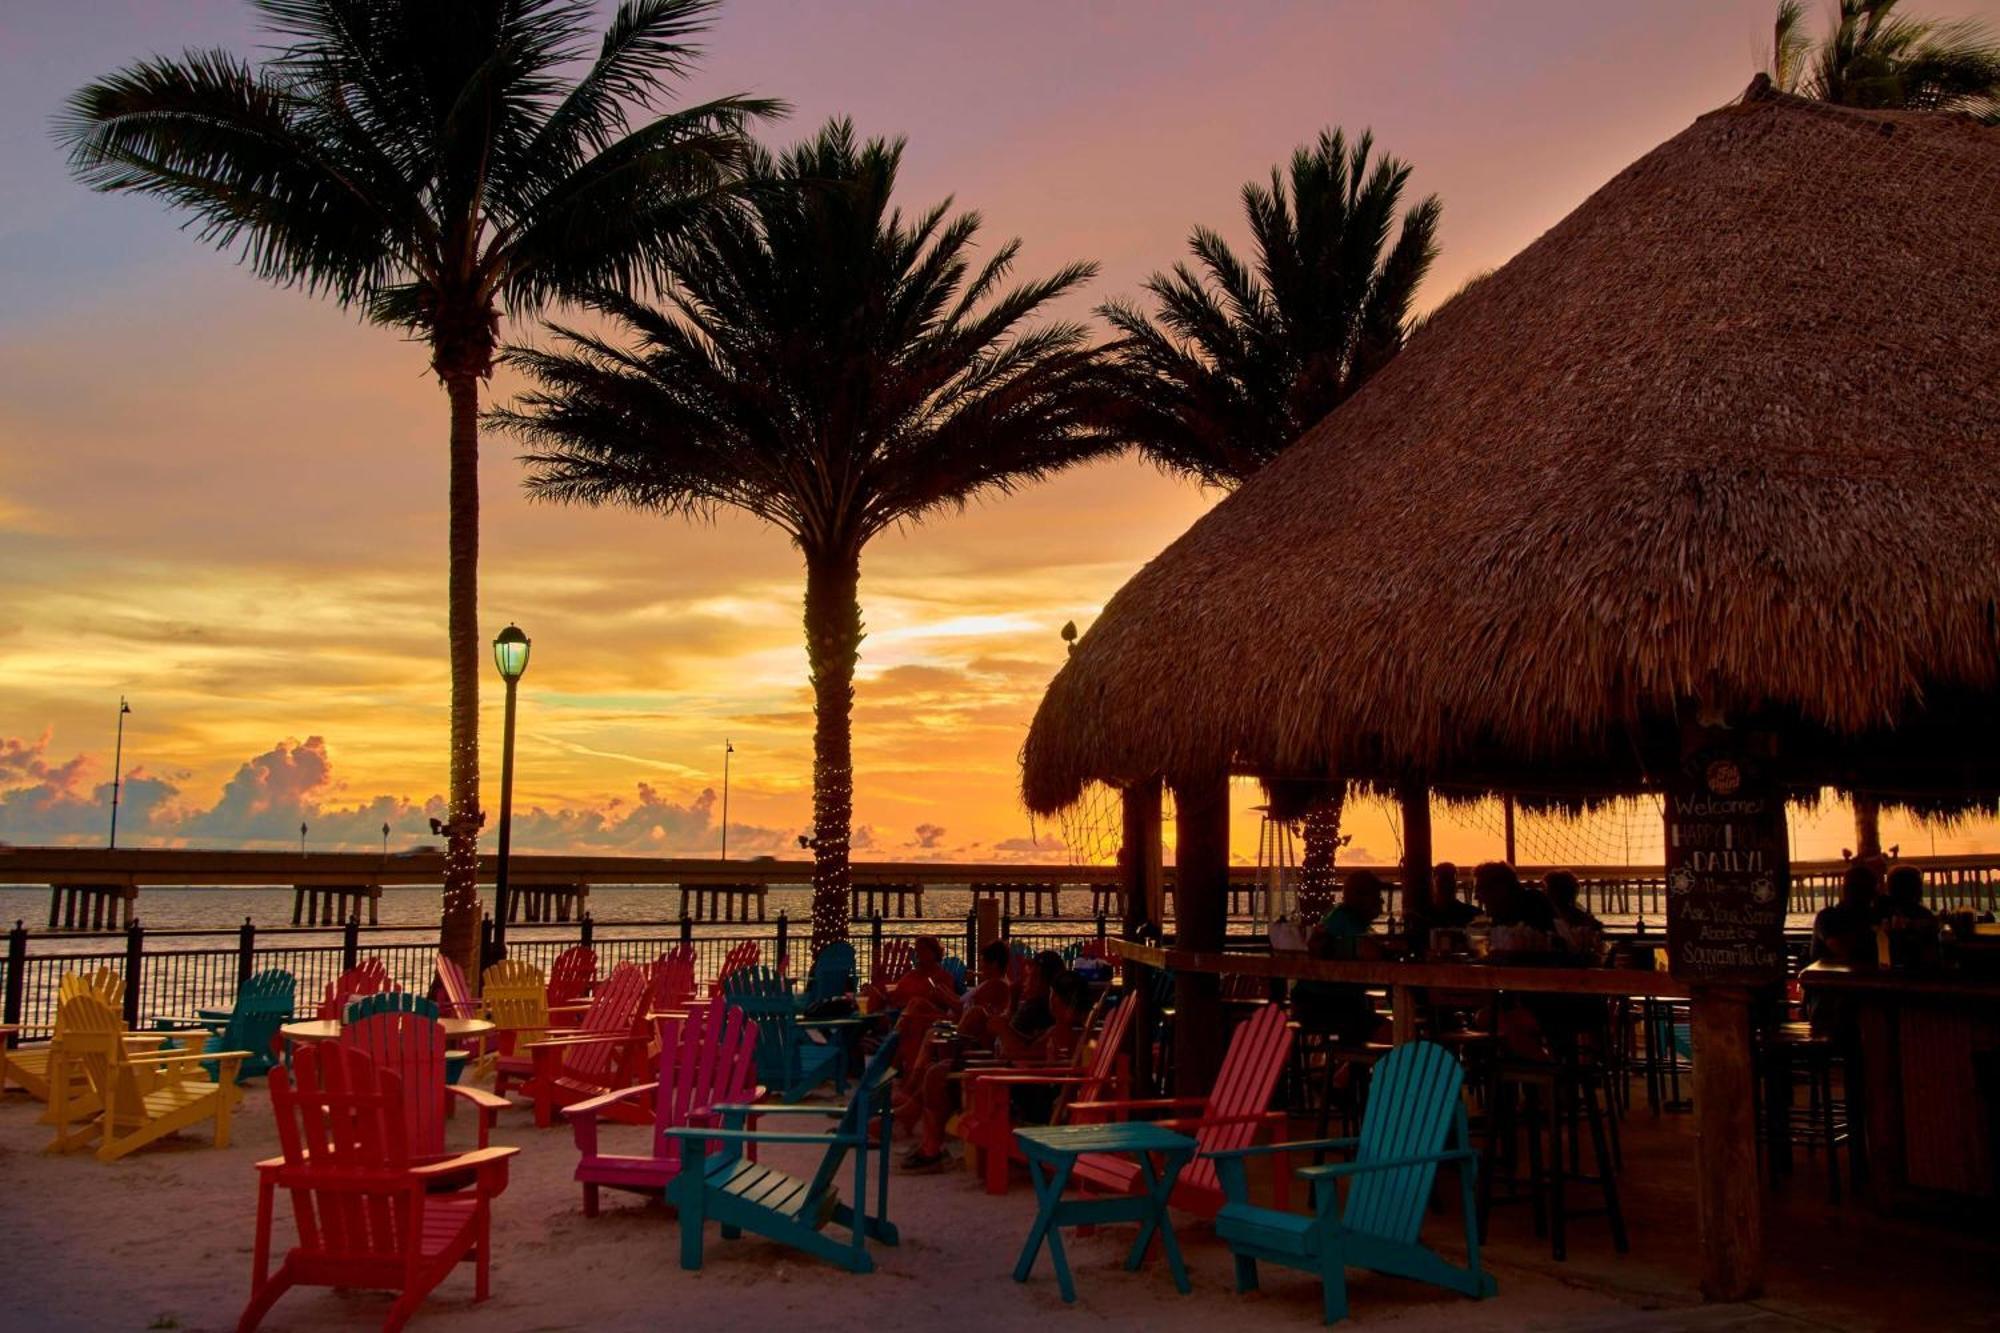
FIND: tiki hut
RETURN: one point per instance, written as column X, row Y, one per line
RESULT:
column 1728, row 434
column 1719, row 452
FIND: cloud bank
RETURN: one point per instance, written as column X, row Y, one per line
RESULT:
column 262, row 805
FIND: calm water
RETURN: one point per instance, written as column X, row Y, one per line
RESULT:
column 415, row 908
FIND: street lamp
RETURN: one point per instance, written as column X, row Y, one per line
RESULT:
column 118, row 768
column 727, row 750
column 510, row 655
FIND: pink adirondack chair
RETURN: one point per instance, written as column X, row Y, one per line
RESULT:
column 454, row 998
column 573, row 976
column 706, row 1059
column 600, row 1056
column 742, row 956
column 1229, row 1117
column 368, row 977
column 672, row 980
column 896, row 958
column 401, row 1034
column 988, row 1123
column 369, row 1212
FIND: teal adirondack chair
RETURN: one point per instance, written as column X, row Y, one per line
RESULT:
column 832, row 973
column 955, row 969
column 742, row 1195
column 1415, row 1122
column 263, row 1005
column 789, row 1061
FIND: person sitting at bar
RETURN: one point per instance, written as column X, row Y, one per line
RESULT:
column 1522, row 920
column 1842, row 932
column 1580, row 932
column 1337, row 1008
column 1447, row 910
column 1912, row 928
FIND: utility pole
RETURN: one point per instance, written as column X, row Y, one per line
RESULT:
column 118, row 768
column 727, row 750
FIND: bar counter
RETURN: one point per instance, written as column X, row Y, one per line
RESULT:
column 1928, row 1046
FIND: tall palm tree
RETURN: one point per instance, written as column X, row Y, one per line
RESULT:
column 835, row 369
column 428, row 163
column 1874, row 57
column 1241, row 359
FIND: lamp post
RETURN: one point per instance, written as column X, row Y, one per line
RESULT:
column 118, row 768
column 510, row 655
column 727, row 750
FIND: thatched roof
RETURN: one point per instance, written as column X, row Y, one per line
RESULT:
column 1730, row 432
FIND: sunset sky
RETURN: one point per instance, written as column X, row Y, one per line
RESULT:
column 227, row 501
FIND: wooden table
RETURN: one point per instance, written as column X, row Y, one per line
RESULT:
column 1052, row 1152
column 328, row 1029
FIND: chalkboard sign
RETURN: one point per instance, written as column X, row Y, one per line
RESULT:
column 1728, row 870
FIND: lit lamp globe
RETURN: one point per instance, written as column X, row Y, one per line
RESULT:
column 510, row 653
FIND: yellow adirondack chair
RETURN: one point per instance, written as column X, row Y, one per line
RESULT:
column 516, row 997
column 29, row 1065
column 142, row 1095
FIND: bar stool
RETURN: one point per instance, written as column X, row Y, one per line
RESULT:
column 1794, row 1054
column 1553, row 1098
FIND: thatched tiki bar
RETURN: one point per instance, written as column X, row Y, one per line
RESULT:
column 1712, row 467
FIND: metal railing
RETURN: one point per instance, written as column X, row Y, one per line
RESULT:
column 202, row 969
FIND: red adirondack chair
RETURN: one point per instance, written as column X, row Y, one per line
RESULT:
column 742, row 956
column 988, row 1123
column 402, row 1036
column 1228, row 1117
column 598, row 1057
column 672, row 980
column 706, row 1059
column 894, row 959
column 454, row 998
column 573, row 976
column 369, row 1213
column 368, row 977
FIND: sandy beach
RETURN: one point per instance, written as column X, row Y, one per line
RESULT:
column 162, row 1239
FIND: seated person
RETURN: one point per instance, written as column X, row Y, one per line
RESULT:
column 1447, row 910
column 1064, row 998
column 1912, row 927
column 924, row 995
column 1023, row 1036
column 1578, row 931
column 1342, row 1009
column 1841, row 932
column 1522, row 920
column 1523, row 934
column 995, row 993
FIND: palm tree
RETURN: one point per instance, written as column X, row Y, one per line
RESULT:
column 834, row 369
column 1875, row 57
column 1240, row 361
column 426, row 162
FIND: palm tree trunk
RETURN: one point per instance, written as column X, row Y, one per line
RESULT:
column 1317, row 884
column 458, row 937
column 1867, row 825
column 833, row 645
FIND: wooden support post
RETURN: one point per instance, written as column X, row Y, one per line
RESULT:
column 298, row 903
column 1139, row 863
column 1402, row 1014
column 1415, row 798
column 1729, row 1197
column 988, row 912
column 1201, row 920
